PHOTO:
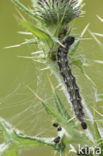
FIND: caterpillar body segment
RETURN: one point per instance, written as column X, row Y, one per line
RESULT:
column 70, row 80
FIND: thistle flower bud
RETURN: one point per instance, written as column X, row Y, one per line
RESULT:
column 56, row 11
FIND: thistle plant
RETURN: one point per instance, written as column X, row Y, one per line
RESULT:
column 49, row 25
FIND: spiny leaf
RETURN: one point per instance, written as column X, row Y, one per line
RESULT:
column 52, row 112
column 98, row 135
column 74, row 47
column 26, row 10
column 58, row 29
column 78, row 61
column 77, row 42
column 15, row 140
column 49, row 109
column 33, row 141
column 39, row 33
column 60, row 106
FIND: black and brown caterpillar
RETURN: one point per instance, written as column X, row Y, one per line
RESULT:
column 70, row 80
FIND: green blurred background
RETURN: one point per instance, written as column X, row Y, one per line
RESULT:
column 17, row 104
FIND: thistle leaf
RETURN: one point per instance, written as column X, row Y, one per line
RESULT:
column 78, row 61
column 58, row 29
column 50, row 110
column 60, row 106
column 77, row 42
column 74, row 47
column 26, row 10
column 98, row 135
column 39, row 33
column 15, row 140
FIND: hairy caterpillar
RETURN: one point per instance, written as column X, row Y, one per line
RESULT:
column 70, row 80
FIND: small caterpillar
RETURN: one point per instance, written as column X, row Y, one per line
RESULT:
column 70, row 80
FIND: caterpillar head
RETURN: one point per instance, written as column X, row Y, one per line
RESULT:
column 70, row 40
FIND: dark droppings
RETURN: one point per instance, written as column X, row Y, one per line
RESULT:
column 84, row 125
column 55, row 124
column 59, row 129
column 70, row 80
column 57, row 139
